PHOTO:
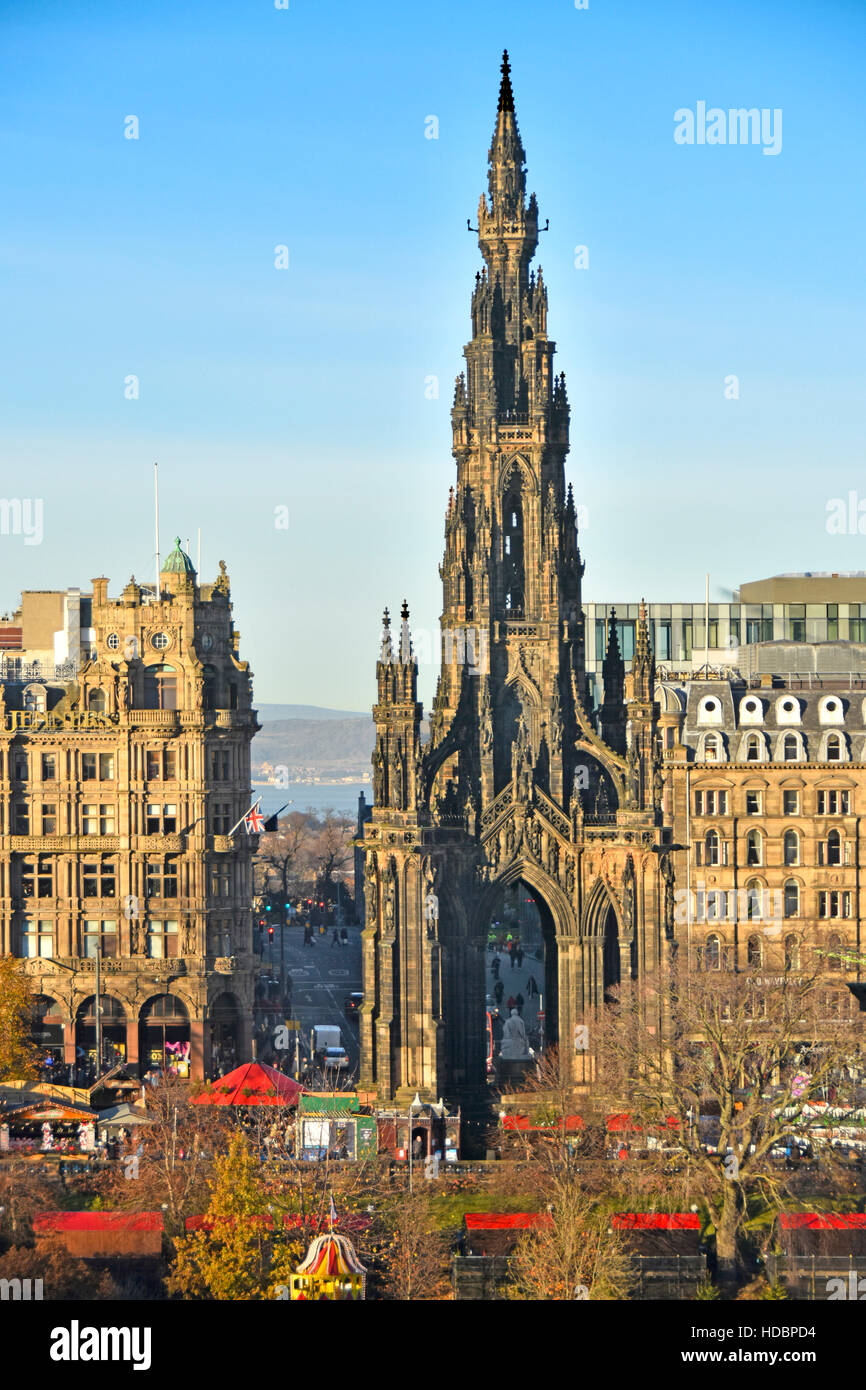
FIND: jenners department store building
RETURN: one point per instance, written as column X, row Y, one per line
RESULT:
column 125, row 729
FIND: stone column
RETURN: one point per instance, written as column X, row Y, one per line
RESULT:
column 132, row 1058
column 198, row 1061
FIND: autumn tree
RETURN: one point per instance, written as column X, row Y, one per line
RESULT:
column 571, row 1253
column 410, row 1252
column 754, row 1051
column 241, row 1251
column 18, row 1055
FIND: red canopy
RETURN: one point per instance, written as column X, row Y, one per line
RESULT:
column 821, row 1221
column 254, row 1083
column 506, row 1220
column 55, row 1222
column 656, row 1221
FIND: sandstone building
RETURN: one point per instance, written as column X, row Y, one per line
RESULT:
column 122, row 769
column 765, row 790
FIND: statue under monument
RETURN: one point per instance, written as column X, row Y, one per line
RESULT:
column 514, row 1048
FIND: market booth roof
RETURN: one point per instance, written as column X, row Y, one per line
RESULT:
column 254, row 1083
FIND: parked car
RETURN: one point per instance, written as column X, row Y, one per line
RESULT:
column 335, row 1059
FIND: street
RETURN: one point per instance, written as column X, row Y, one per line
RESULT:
column 321, row 975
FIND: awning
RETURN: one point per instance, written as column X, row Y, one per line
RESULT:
column 254, row 1083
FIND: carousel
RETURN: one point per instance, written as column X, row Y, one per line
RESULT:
column 331, row 1270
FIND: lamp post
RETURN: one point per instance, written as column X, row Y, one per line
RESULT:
column 416, row 1104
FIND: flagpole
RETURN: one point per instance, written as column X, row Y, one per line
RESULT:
column 244, row 816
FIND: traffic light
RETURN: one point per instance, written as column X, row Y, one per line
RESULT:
column 267, row 907
column 261, row 923
column 270, row 933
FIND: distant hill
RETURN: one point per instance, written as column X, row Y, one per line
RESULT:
column 268, row 713
column 328, row 747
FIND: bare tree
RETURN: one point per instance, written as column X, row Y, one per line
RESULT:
column 753, row 1052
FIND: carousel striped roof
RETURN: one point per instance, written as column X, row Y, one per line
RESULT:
column 331, row 1255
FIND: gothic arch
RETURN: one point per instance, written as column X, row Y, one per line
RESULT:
column 513, row 466
column 599, row 901
column 553, row 897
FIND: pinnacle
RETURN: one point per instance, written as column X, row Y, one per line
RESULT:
column 506, row 96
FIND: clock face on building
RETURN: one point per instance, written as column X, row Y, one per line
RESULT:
column 206, row 642
column 112, row 641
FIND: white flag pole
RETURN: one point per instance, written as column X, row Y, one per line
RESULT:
column 244, row 816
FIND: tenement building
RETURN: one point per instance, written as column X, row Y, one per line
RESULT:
column 766, row 793
column 516, row 798
column 123, row 768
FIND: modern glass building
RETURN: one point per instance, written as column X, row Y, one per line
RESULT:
column 806, row 608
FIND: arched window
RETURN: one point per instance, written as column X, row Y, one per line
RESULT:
column 209, row 688
column 711, row 845
column 834, row 748
column 711, row 748
column 791, row 898
column 96, row 701
column 790, row 749
column 792, row 953
column 754, row 900
column 834, row 847
column 754, row 848
column 515, row 579
column 713, row 953
column 834, row 952
column 754, row 952
column 753, row 749
column 792, row 848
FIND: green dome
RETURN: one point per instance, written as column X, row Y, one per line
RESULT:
column 178, row 562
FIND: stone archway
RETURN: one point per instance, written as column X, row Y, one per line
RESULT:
column 164, row 1035
column 544, row 914
column 113, row 1027
column 600, row 931
column 47, row 1031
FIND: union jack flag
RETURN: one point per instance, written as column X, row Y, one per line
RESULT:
column 254, row 822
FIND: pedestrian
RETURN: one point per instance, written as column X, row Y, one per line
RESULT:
column 498, row 991
column 512, row 1003
column 518, row 1003
column 520, row 956
column 344, row 937
column 531, row 986
column 335, row 939
column 494, row 966
column 513, row 955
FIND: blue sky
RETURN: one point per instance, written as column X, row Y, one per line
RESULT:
column 305, row 387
